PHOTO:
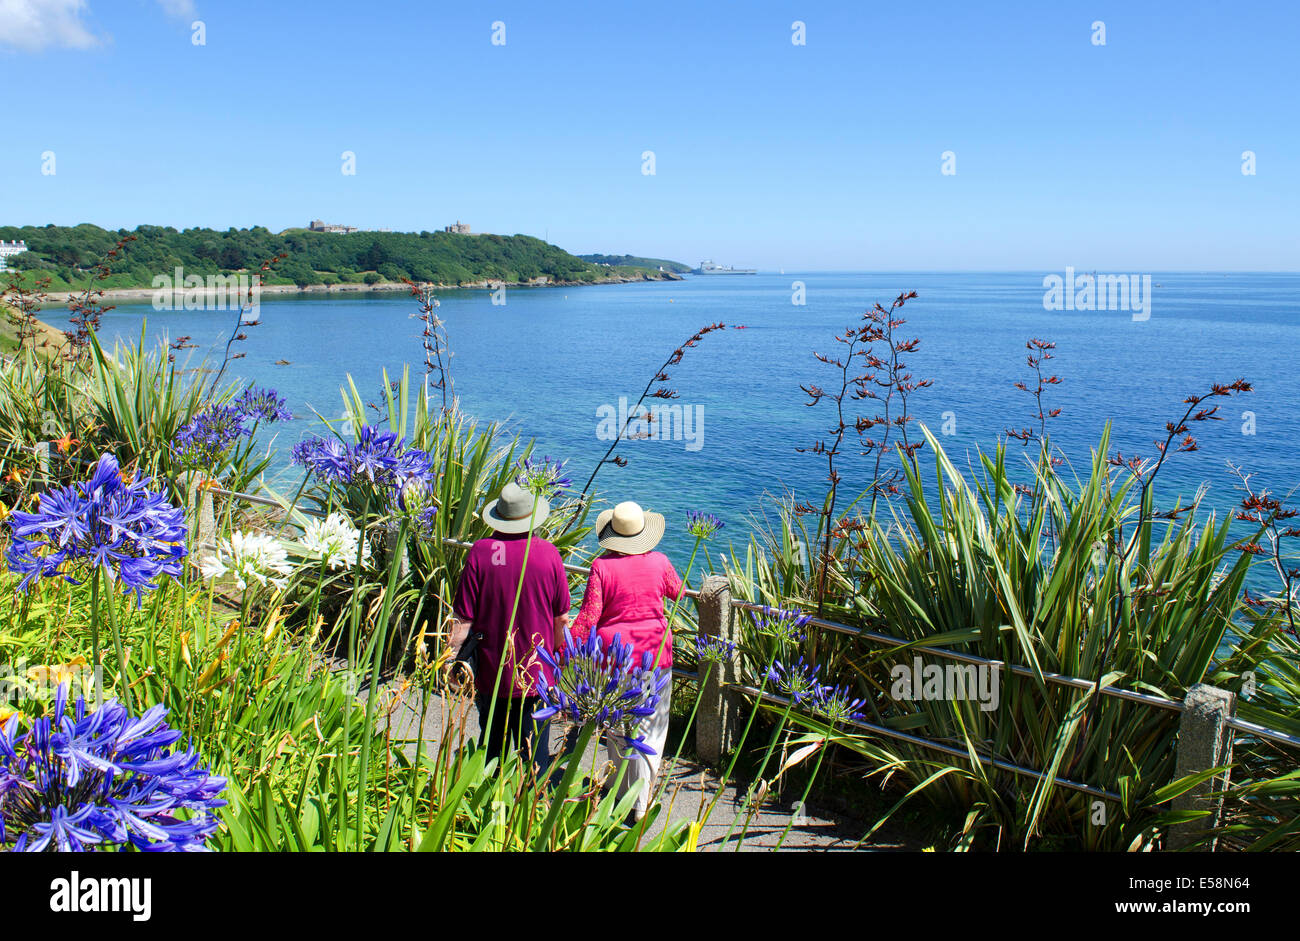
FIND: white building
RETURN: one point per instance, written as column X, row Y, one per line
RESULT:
column 10, row 248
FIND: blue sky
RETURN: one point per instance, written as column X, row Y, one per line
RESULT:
column 1122, row 157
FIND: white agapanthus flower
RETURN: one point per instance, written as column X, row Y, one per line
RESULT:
column 248, row 558
column 333, row 541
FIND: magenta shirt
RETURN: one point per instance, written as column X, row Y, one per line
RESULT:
column 486, row 595
column 625, row 595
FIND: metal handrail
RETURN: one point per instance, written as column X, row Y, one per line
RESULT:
column 947, row 749
column 1060, row 679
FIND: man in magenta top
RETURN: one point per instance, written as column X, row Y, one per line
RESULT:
column 508, row 665
column 625, row 595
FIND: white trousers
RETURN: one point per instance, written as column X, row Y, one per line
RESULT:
column 641, row 767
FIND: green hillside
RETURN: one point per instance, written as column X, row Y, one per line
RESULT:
column 68, row 255
column 636, row 261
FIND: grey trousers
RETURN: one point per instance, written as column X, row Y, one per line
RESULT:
column 641, row 767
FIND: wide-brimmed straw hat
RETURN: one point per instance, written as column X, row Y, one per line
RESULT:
column 516, row 510
column 629, row 529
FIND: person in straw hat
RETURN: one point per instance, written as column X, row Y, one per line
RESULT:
column 625, row 595
column 508, row 665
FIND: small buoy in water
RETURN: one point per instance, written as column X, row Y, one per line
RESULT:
column 671, row 301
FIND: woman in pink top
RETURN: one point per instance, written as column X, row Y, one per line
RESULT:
column 625, row 596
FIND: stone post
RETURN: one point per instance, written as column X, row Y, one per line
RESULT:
column 1204, row 742
column 716, row 721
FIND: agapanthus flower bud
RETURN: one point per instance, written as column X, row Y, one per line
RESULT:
column 710, row 648
column 798, row 681
column 838, row 704
column 786, row 625
column 543, row 477
column 702, row 525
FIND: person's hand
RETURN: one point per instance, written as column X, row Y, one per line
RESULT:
column 457, row 632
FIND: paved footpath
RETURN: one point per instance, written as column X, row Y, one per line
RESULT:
column 689, row 787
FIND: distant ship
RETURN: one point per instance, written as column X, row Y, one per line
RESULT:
column 708, row 267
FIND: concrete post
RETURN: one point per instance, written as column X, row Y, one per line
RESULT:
column 403, row 572
column 42, row 450
column 716, row 722
column 205, row 515
column 390, row 549
column 1204, row 742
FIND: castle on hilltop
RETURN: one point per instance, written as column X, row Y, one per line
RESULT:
column 317, row 225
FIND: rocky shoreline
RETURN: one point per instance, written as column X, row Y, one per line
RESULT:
column 144, row 294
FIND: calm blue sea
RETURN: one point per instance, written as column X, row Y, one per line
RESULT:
column 551, row 358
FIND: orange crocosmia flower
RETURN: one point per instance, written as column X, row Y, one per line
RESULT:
column 14, row 476
column 66, row 443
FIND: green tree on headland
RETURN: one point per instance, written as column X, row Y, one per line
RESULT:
column 68, row 254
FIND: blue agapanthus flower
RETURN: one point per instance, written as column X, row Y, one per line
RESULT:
column 114, row 524
column 603, row 685
column 798, row 681
column 702, row 525
column 83, row 778
column 785, row 624
column 329, row 460
column 404, row 477
column 838, row 704
column 375, row 455
column 543, row 477
column 263, row 405
column 204, row 442
column 378, row 457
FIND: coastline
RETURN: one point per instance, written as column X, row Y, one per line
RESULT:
column 144, row 294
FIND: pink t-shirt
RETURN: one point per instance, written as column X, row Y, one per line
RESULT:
column 625, row 595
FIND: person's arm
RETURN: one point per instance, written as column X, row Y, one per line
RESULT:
column 561, row 622
column 673, row 587
column 462, row 616
column 593, row 603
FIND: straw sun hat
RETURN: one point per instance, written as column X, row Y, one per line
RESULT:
column 629, row 529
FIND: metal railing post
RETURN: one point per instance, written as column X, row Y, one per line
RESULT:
column 715, row 725
column 1204, row 742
